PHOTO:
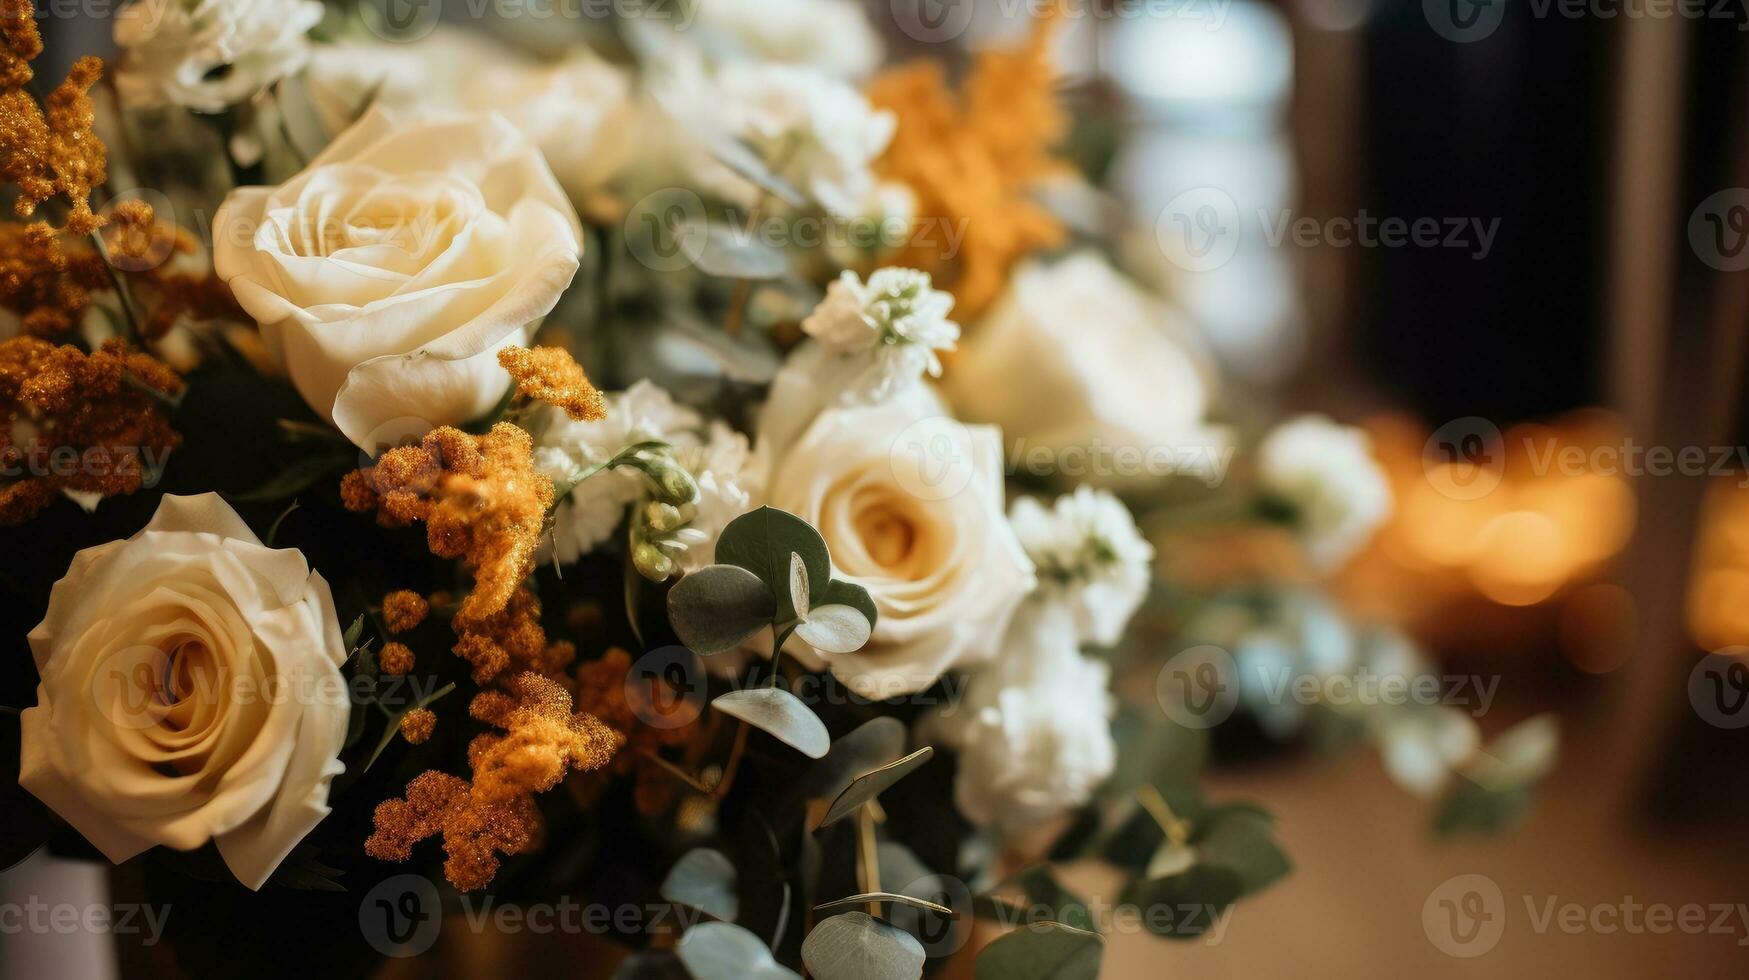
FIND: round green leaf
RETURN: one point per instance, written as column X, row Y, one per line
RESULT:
column 869, row 746
column 855, row 596
column 703, row 879
column 836, row 629
column 1045, row 951
column 721, row 951
column 717, row 607
column 857, row 946
column 761, row 541
column 777, row 711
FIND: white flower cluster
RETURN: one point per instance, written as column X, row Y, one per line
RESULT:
column 885, row 332
column 1033, row 731
column 689, row 488
column 1090, row 557
column 1325, row 474
column 209, row 54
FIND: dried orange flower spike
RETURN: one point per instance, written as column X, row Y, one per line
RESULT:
column 551, row 375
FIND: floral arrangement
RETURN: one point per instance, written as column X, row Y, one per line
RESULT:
column 637, row 465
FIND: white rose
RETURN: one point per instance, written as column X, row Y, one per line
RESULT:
column 1326, row 475
column 1090, row 557
column 575, row 109
column 1075, row 356
column 209, row 54
column 389, row 273
column 191, row 691
column 1033, row 732
column 910, row 505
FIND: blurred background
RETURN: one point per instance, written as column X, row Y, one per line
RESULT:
column 1579, row 294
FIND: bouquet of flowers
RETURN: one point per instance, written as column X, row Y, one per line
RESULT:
column 683, row 462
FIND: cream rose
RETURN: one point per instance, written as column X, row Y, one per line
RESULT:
column 1077, row 361
column 209, row 54
column 910, row 504
column 190, row 691
column 389, row 273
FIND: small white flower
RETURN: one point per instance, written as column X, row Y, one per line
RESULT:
column 1033, row 732
column 1421, row 748
column 811, row 128
column 1326, row 475
column 885, row 332
column 209, row 54
column 715, row 456
column 1090, row 557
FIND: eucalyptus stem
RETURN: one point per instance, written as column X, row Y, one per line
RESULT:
column 122, row 294
column 1176, row 830
column 868, row 867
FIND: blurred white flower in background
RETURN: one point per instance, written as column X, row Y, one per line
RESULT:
column 1422, row 748
column 1090, row 557
column 1104, row 364
column 1033, row 731
column 885, row 332
column 832, row 36
column 568, row 107
column 209, row 54
column 715, row 457
column 812, row 129
column 1325, row 475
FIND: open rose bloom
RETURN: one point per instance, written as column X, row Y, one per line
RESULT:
column 190, row 691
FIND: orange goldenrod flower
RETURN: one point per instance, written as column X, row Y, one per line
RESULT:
column 552, row 375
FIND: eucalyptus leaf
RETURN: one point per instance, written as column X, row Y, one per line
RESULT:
column 743, row 160
column 836, row 629
column 703, row 879
column 782, row 714
column 719, row 606
column 1044, row 890
column 730, row 252
column 872, row 784
column 1241, row 840
column 857, row 946
column 857, row 901
column 1184, row 906
column 723, row 951
column 1045, row 951
column 867, row 747
column 798, row 586
column 855, row 596
column 761, row 541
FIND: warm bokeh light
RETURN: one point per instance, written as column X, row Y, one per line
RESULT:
column 1718, row 595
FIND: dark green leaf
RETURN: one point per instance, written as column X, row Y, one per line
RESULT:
column 855, row 596
column 884, row 898
column 296, row 478
column 1240, row 839
column 394, row 723
column 1471, row 808
column 782, row 714
column 1046, row 951
column 1043, row 889
column 349, row 639
column 857, row 946
column 1187, row 905
column 703, row 879
column 717, row 607
column 872, row 784
column 867, row 747
column 762, row 541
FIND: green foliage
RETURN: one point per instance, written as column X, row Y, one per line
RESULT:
column 1045, row 951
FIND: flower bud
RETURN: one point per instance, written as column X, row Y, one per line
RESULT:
column 662, row 518
column 650, row 562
